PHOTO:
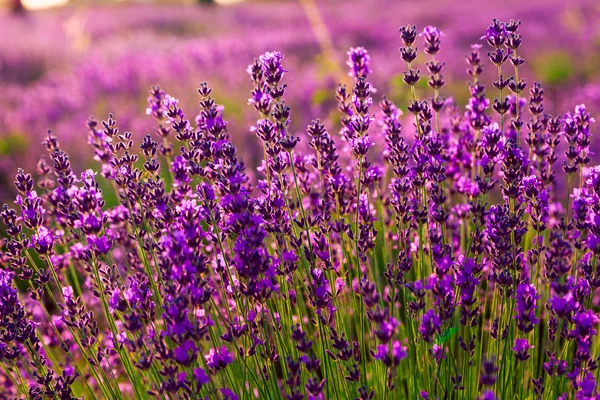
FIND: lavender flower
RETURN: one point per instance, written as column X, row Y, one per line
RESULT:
column 521, row 349
column 358, row 61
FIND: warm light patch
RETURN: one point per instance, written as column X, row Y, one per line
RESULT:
column 228, row 2
column 41, row 4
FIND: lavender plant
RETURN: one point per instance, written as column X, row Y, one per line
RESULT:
column 432, row 261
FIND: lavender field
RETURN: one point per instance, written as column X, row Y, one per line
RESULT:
column 300, row 200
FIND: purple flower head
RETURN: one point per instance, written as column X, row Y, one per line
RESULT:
column 587, row 388
column 563, row 305
column 260, row 100
column 170, row 103
column 531, row 186
column 466, row 186
column 155, row 103
column 360, row 146
column 488, row 373
column 100, row 244
column 386, row 330
column 382, row 352
column 432, row 39
column 581, row 199
column 186, row 353
column 228, row 394
column 592, row 242
column 488, row 395
column 438, row 352
column 8, row 294
column 476, row 107
column 495, row 34
column 218, row 358
column 272, row 67
column 521, row 349
column 583, row 119
column 362, row 105
column 430, row 326
column 359, row 125
column 265, row 130
column 358, row 61
column 491, row 135
column 201, row 376
column 122, row 338
column 408, row 34
column 554, row 365
column 585, row 323
column 592, row 176
column 527, row 298
column 43, row 240
column 340, row 284
column 398, row 351
column 69, row 372
column 251, row 258
column 67, row 292
column 390, row 358
column 31, row 210
column 16, row 329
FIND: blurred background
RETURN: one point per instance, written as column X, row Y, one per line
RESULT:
column 62, row 61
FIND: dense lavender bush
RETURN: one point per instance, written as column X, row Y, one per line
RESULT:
column 381, row 261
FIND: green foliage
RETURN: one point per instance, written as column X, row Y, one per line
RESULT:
column 554, row 68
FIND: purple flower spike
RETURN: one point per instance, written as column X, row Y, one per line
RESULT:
column 272, row 66
column 43, row 240
column 489, row 395
column 432, row 39
column 390, row 357
column 521, row 349
column 430, row 326
column 527, row 298
column 228, row 394
column 496, row 34
column 218, row 359
column 358, row 61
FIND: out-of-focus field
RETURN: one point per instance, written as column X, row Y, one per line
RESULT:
column 59, row 66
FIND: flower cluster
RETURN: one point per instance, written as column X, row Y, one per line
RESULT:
column 416, row 253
